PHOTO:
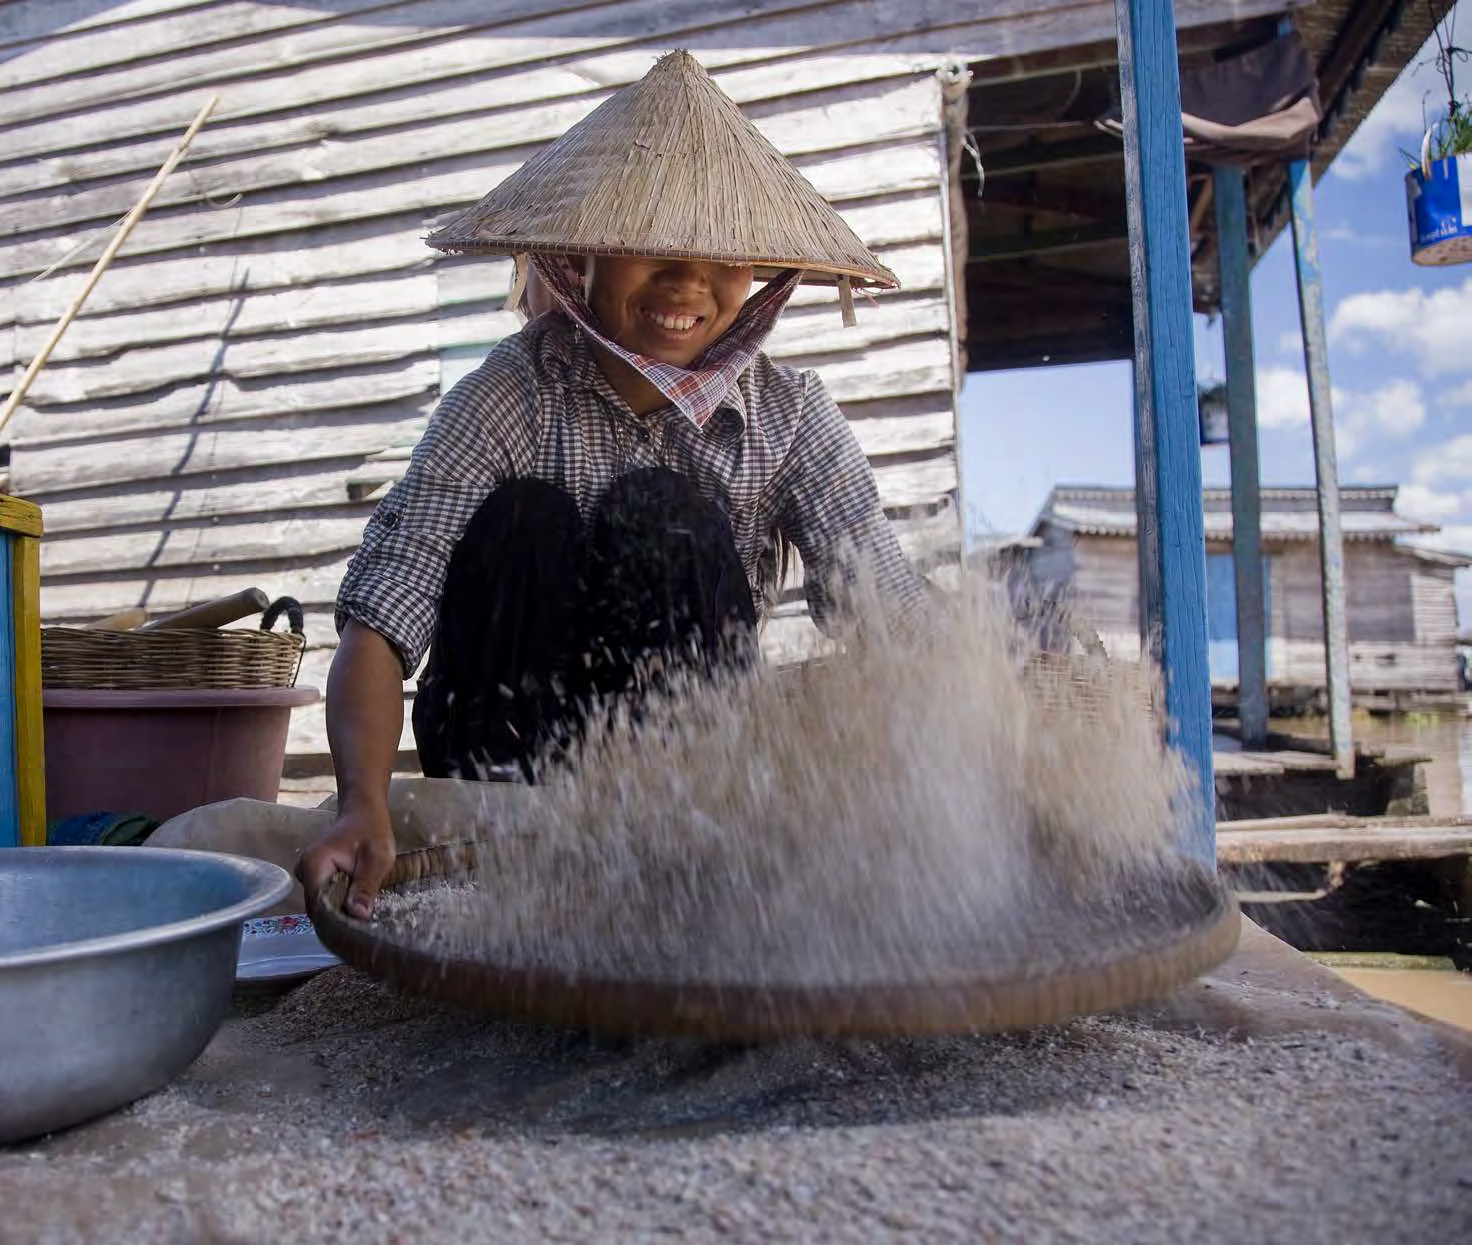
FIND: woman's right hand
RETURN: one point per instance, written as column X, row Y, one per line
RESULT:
column 365, row 713
column 360, row 843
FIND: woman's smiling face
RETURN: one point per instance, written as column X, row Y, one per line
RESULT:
column 671, row 310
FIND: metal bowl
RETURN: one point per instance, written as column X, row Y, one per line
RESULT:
column 116, row 966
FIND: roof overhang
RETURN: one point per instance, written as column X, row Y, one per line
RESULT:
column 1437, row 557
column 1047, row 272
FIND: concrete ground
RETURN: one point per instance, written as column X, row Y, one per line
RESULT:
column 1269, row 1100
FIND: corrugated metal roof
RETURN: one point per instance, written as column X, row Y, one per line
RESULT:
column 1441, row 557
column 1288, row 514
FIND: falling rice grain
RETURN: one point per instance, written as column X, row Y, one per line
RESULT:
column 878, row 815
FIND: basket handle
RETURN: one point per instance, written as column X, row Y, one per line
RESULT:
column 1426, row 153
column 292, row 608
column 289, row 606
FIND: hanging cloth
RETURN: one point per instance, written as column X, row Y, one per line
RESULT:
column 1260, row 106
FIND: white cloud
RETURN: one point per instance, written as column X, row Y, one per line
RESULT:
column 1351, row 236
column 1461, row 395
column 1418, row 501
column 1432, row 327
column 1447, row 463
column 1282, row 398
column 1396, row 123
column 1395, row 409
column 1457, row 538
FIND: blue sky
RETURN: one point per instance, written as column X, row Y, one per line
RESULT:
column 1400, row 355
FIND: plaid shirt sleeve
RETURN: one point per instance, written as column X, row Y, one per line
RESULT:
column 831, row 512
column 483, row 432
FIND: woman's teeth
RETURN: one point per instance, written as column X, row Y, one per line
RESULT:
column 675, row 324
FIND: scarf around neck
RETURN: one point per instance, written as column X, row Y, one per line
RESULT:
column 699, row 389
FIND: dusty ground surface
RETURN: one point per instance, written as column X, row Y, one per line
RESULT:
column 1267, row 1102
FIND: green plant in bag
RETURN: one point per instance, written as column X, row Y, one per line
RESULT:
column 1452, row 134
column 1449, row 137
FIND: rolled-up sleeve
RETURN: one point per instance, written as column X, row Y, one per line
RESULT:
column 830, row 509
column 482, row 433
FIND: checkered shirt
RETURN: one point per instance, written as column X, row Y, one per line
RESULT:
column 776, row 454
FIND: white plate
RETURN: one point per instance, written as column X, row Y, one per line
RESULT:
column 279, row 950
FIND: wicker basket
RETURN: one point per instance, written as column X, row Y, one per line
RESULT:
column 82, row 658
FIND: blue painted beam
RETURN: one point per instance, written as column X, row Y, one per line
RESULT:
column 1326, row 470
column 1230, row 202
column 1167, row 434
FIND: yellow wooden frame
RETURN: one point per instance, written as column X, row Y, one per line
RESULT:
column 23, row 518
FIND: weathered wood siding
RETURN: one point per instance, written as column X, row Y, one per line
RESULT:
column 1106, row 593
column 1434, row 603
column 1397, row 643
column 1401, row 612
column 275, row 323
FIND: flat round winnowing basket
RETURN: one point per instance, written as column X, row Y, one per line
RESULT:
column 1083, row 957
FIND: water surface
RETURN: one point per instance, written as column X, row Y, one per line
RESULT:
column 1440, row 990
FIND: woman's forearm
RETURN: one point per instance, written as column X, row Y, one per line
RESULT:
column 365, row 714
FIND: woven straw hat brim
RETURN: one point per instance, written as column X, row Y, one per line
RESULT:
column 1072, row 956
column 765, row 268
column 667, row 167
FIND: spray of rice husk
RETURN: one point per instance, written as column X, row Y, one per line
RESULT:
column 875, row 816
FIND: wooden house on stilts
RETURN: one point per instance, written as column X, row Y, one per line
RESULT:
column 244, row 380
column 1399, row 596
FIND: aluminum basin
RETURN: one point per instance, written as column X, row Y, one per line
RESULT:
column 116, row 966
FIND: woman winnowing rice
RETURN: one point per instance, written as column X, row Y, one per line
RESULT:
column 612, row 481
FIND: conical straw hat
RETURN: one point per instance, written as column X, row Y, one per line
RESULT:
column 666, row 167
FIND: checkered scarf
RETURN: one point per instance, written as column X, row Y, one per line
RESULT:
column 699, row 389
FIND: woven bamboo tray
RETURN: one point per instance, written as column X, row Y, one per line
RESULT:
column 173, row 658
column 1083, row 957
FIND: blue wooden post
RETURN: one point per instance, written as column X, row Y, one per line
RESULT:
column 1326, row 471
column 1231, row 233
column 1167, row 435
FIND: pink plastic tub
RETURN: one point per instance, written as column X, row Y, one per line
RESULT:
column 163, row 752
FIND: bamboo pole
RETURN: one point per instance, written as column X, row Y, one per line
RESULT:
column 106, row 258
column 1326, row 466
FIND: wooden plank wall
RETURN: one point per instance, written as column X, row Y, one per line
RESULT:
column 275, row 321
column 1401, row 613
column 1395, row 645
column 1106, row 589
column 1434, row 603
